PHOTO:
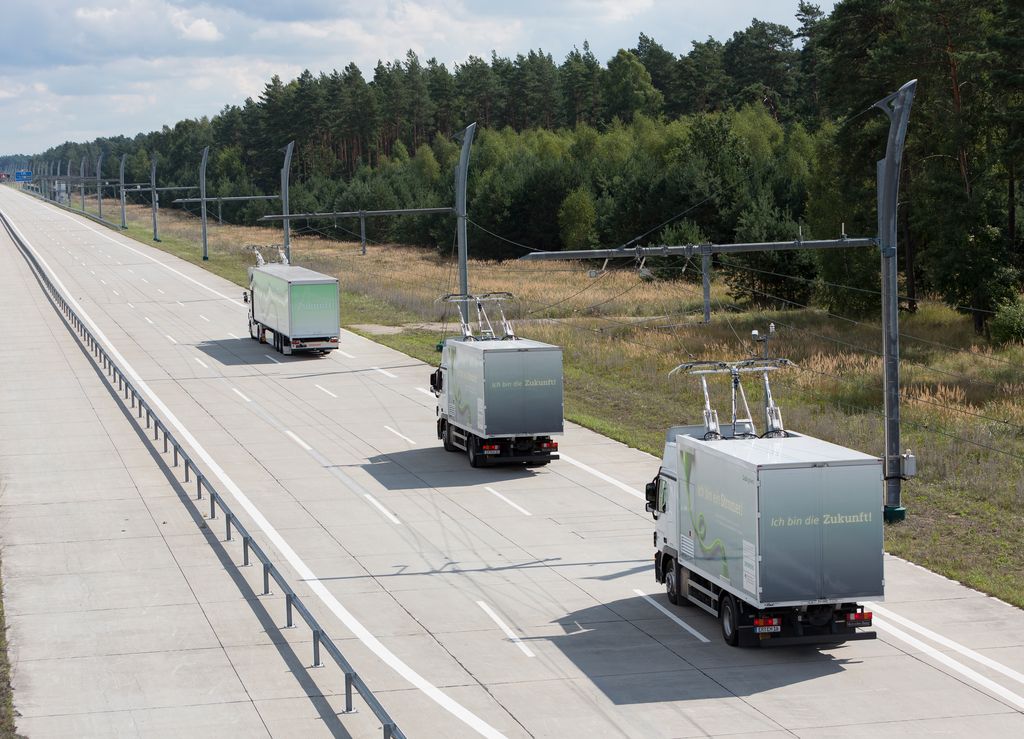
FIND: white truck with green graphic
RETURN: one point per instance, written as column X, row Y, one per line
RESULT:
column 777, row 535
column 297, row 306
column 499, row 399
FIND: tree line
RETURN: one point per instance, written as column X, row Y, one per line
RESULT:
column 766, row 135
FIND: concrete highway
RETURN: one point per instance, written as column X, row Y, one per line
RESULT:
column 472, row 601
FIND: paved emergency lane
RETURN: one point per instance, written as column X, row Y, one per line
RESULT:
column 509, row 594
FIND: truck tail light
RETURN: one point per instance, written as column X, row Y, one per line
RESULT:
column 552, row 445
column 334, row 339
column 774, row 621
column 859, row 619
column 490, row 448
column 296, row 342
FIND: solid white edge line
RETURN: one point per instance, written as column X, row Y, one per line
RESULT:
column 298, row 441
column 275, row 361
column 321, row 387
column 601, row 475
column 518, row 507
column 201, row 362
column 382, row 509
column 504, row 627
column 671, row 615
column 403, row 436
column 241, row 395
column 948, row 661
column 948, row 643
column 385, row 372
column 302, row 570
column 426, row 392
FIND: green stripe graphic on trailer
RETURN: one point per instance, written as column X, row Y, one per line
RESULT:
column 699, row 524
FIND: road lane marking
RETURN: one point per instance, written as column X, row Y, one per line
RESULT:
column 160, row 291
column 344, row 354
column 180, row 303
column 603, row 476
column 426, row 392
column 204, row 318
column 116, row 293
column 327, row 391
column 145, row 280
column 514, row 505
column 671, row 615
column 92, row 272
column 384, row 372
column 131, row 306
column 948, row 661
column 396, row 433
column 201, row 362
column 391, row 516
column 275, row 361
column 171, row 339
column 504, row 627
column 303, row 571
column 241, row 395
column 948, row 643
column 148, row 319
column 232, row 335
column 298, row 441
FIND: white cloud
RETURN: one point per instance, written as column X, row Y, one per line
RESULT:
column 194, row 29
column 101, row 15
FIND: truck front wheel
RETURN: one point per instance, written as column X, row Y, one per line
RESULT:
column 672, row 581
column 729, row 616
column 446, row 439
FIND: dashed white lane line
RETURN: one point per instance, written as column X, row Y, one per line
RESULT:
column 171, row 339
column 232, row 335
column 344, row 354
column 132, row 271
column 948, row 661
column 400, row 435
column 160, row 291
column 204, row 364
column 102, row 281
column 297, row 440
column 92, row 272
column 377, row 504
column 504, row 627
column 180, row 304
column 145, row 280
column 948, row 643
column 602, row 476
column 321, row 387
column 678, row 621
column 131, row 306
column 425, row 391
column 275, row 361
column 148, row 319
column 116, row 293
column 518, row 507
column 384, row 372
column 204, row 318
column 241, row 395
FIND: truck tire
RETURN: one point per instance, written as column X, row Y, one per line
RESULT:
column 446, row 439
column 672, row 582
column 475, row 459
column 729, row 616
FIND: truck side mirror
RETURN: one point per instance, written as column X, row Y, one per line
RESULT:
column 436, row 380
column 651, row 494
column 245, row 297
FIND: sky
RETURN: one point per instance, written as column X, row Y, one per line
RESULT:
column 73, row 70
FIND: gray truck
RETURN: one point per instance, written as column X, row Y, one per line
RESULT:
column 499, row 399
column 298, row 306
column 776, row 535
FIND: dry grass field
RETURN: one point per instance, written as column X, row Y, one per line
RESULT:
column 962, row 409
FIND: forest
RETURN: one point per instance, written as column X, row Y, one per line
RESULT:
column 767, row 135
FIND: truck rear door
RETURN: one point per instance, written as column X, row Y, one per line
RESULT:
column 820, row 533
column 524, row 392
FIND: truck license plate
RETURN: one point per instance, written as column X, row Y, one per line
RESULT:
column 767, row 629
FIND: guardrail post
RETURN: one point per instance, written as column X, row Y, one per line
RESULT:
column 266, row 579
column 245, row 551
column 175, row 453
column 288, row 610
column 199, row 484
column 213, row 505
column 186, row 468
column 227, row 527
column 348, row 693
column 156, row 429
column 165, row 441
column 389, row 730
column 316, row 648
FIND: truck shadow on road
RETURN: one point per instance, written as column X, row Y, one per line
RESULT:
column 434, row 467
column 635, row 654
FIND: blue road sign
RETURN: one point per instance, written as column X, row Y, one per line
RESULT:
column 23, row 175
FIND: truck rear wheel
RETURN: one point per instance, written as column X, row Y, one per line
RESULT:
column 729, row 616
column 475, row 458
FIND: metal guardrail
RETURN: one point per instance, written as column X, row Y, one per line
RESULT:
column 69, row 209
column 116, row 377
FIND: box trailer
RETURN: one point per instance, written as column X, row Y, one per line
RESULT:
column 297, row 305
column 499, row 400
column 777, row 535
